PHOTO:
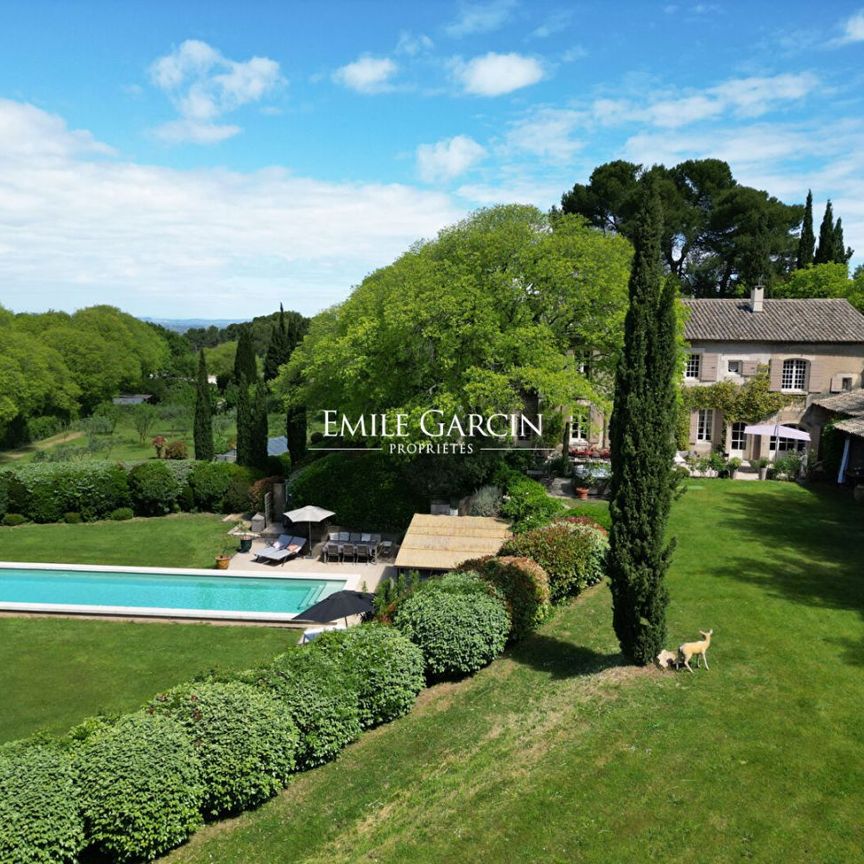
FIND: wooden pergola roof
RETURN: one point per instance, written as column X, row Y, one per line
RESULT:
column 444, row 542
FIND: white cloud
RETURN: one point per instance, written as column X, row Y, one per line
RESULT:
column 853, row 29
column 547, row 133
column 448, row 158
column 480, row 18
column 411, row 44
column 743, row 97
column 81, row 227
column 555, row 23
column 203, row 85
column 367, row 74
column 496, row 74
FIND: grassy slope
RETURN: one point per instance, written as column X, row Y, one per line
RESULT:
column 55, row 672
column 557, row 753
column 184, row 540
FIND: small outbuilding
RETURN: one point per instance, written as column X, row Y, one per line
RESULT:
column 435, row 544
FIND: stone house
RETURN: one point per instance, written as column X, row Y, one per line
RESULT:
column 812, row 348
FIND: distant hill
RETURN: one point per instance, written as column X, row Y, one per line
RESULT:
column 181, row 325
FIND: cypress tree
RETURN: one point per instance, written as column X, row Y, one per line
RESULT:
column 258, row 427
column 279, row 349
column 244, row 425
column 245, row 365
column 203, row 432
column 642, row 431
column 825, row 249
column 841, row 253
column 295, row 431
column 807, row 240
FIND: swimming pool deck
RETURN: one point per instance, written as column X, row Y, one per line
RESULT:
column 358, row 576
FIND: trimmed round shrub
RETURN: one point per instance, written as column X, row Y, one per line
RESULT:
column 209, row 482
column 141, row 788
column 121, row 514
column 72, row 518
column 245, row 740
column 321, row 697
column 528, row 504
column 154, row 489
column 13, row 519
column 388, row 668
column 40, row 818
column 572, row 555
column 524, row 585
column 458, row 631
column 586, row 520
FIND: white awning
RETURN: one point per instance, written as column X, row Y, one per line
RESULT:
column 775, row 430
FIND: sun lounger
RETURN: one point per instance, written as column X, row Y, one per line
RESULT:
column 284, row 548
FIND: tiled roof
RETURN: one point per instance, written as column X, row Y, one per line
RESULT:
column 815, row 320
column 850, row 402
column 854, row 426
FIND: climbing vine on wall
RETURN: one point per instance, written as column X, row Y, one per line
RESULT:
column 740, row 403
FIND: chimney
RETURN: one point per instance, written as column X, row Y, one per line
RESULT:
column 757, row 298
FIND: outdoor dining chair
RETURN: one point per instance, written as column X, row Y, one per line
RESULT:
column 361, row 553
column 348, row 551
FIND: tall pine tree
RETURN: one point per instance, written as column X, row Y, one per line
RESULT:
column 642, row 431
column 203, row 430
column 295, row 430
column 825, row 249
column 807, row 240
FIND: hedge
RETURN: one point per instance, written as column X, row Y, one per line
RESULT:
column 141, row 788
column 365, row 490
column 321, row 697
column 49, row 492
column 45, row 492
column 387, row 667
column 40, row 818
column 524, row 585
column 573, row 555
column 459, row 628
column 245, row 740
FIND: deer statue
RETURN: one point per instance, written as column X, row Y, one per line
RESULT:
column 699, row 650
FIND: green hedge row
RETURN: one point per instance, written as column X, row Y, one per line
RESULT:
column 133, row 788
column 54, row 492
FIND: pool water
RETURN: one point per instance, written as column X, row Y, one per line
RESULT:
column 138, row 590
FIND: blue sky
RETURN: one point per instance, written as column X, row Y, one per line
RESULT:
column 213, row 159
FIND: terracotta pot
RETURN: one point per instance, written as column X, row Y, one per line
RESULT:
column 222, row 562
column 582, row 492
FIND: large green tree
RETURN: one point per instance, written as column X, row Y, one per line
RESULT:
column 203, row 427
column 642, row 427
column 245, row 363
column 711, row 222
column 507, row 302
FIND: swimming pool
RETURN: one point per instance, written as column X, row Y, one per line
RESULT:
column 145, row 591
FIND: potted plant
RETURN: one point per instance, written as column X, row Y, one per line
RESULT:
column 732, row 466
column 582, row 482
column 761, row 465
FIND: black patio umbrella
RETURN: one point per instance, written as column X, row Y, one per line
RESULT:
column 340, row 604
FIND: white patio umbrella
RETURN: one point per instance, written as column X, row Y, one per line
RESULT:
column 309, row 514
column 775, row 430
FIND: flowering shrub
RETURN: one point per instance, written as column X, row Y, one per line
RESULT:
column 573, row 555
column 525, row 588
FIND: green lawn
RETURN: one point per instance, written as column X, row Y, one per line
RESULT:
column 184, row 540
column 56, row 671
column 558, row 753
